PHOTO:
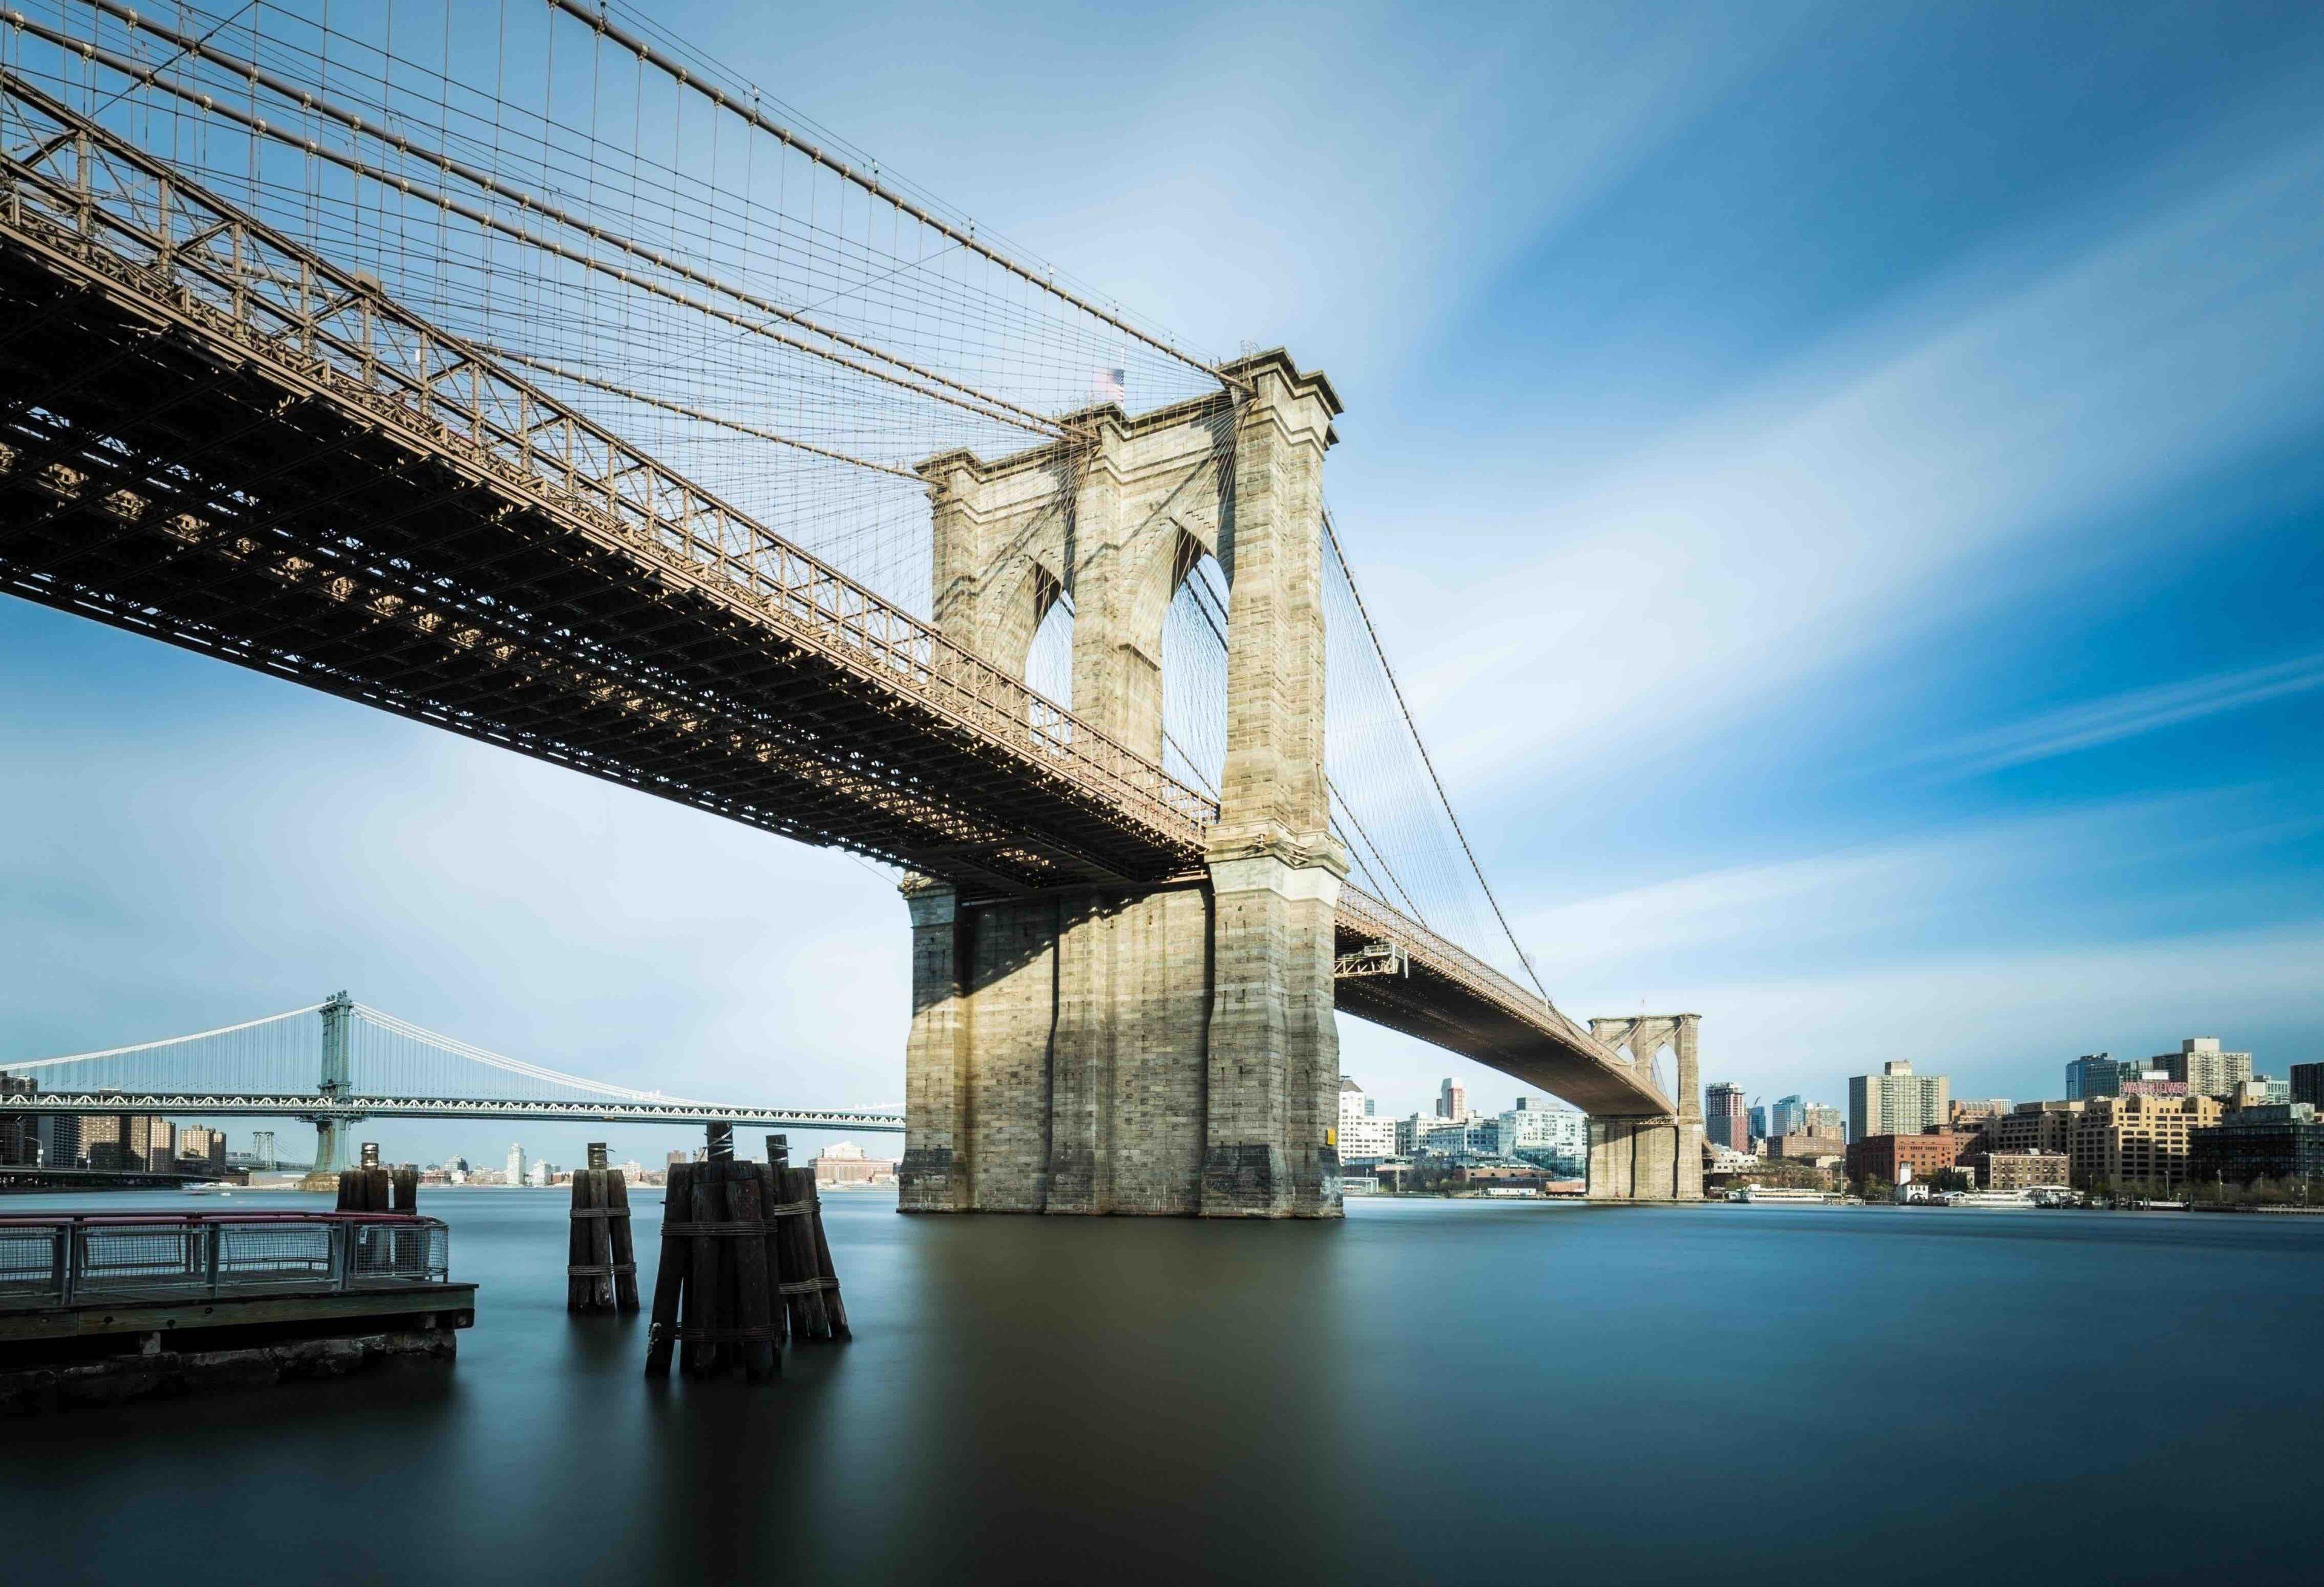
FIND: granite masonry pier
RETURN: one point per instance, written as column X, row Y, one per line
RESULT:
column 1164, row 1049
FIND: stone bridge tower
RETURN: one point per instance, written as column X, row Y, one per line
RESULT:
column 1650, row 1158
column 1166, row 1050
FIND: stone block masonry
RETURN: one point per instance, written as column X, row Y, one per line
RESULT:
column 1650, row 1158
column 1171, row 1050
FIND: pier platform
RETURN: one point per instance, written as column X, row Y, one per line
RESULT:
column 97, row 1308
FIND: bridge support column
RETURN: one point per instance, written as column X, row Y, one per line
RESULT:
column 1650, row 1158
column 1275, row 866
column 330, row 1145
column 1167, row 1048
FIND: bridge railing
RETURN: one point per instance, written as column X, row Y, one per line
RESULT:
column 130, row 218
column 1376, row 917
column 70, row 1259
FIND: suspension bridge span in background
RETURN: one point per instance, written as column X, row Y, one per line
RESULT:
column 338, row 1062
column 590, row 405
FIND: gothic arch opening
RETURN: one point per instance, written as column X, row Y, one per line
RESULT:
column 1194, row 670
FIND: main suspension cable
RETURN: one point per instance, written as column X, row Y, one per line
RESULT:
column 1420, row 744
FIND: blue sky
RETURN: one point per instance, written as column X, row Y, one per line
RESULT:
column 1843, row 485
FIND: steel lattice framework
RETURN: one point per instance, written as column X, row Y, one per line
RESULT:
column 352, row 1107
column 211, row 435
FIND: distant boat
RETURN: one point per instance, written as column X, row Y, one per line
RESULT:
column 1778, row 1195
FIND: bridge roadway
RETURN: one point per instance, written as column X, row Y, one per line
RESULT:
column 213, row 436
column 308, row 1106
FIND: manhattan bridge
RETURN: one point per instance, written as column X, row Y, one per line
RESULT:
column 519, row 370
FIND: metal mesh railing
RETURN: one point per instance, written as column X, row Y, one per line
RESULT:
column 71, row 1260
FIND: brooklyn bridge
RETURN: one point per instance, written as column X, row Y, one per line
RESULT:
column 543, row 382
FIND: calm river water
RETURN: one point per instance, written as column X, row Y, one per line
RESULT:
column 1431, row 1391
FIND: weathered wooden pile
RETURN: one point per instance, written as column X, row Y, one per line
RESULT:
column 744, row 1265
column 372, row 1188
column 601, row 1265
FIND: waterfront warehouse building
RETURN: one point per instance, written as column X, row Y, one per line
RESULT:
column 1890, row 1157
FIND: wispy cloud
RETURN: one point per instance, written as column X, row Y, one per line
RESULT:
column 1832, row 509
column 1995, row 881
column 2093, row 722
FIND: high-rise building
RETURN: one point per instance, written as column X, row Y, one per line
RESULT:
column 1364, row 1138
column 1451, row 1100
column 2099, row 1074
column 153, row 1144
column 515, row 1164
column 2139, row 1144
column 1759, row 1123
column 199, row 1145
column 59, row 1136
column 1896, row 1102
column 2307, row 1084
column 261, row 1148
column 2207, row 1070
column 1825, row 1121
column 100, row 1139
column 1725, row 1120
column 2035, row 1126
column 1542, row 1133
column 1788, row 1117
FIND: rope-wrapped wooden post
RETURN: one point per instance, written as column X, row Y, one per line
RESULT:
column 624, row 1252
column 835, row 1311
column 669, row 1277
column 700, row 1322
column 809, row 1289
column 743, row 1265
column 404, row 1188
column 753, row 1287
column 365, row 1187
column 601, row 1270
column 769, row 1198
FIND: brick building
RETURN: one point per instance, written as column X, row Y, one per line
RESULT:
column 2020, row 1170
column 1886, row 1157
column 1801, row 1147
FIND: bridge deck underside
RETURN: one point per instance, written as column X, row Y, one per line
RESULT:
column 159, row 477
column 1443, row 1010
column 204, row 498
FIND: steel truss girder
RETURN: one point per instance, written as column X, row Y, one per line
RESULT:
column 347, row 1109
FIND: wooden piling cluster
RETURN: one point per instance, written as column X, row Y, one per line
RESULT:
column 744, row 1266
column 371, row 1187
column 601, row 1265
